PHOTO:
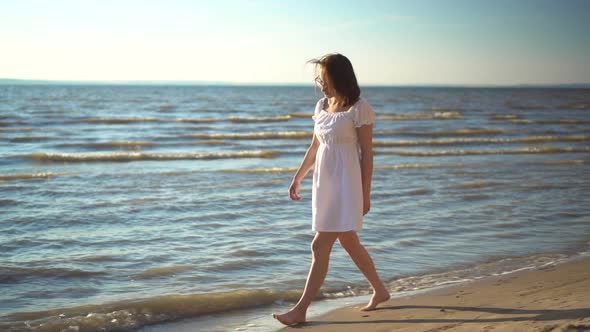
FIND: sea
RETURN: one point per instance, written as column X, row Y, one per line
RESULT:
column 166, row 208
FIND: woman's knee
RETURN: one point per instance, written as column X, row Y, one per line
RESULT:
column 322, row 244
column 349, row 240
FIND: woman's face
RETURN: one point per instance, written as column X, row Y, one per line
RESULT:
column 323, row 83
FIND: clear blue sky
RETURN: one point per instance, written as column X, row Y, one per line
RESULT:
column 263, row 41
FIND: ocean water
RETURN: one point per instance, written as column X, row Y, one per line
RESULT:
column 126, row 207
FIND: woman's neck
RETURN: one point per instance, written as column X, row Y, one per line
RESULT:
column 336, row 102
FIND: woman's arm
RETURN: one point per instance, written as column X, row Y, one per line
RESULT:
column 305, row 166
column 365, row 137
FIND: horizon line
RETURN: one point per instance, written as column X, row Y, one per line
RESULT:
column 19, row 81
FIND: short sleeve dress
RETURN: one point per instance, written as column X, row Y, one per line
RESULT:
column 337, row 194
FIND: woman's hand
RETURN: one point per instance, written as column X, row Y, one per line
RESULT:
column 294, row 190
column 366, row 206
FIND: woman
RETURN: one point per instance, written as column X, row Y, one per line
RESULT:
column 341, row 179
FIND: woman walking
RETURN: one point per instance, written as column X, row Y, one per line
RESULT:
column 342, row 155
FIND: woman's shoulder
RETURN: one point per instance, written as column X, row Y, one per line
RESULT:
column 320, row 105
column 361, row 103
column 363, row 113
column 321, row 101
column 362, row 100
column 318, row 108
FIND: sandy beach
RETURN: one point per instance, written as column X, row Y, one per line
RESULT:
column 553, row 298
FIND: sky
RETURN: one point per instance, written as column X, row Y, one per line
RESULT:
column 389, row 42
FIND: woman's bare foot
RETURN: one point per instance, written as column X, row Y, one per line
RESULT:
column 293, row 317
column 378, row 297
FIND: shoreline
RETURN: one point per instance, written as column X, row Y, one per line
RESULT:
column 342, row 313
column 466, row 295
column 555, row 297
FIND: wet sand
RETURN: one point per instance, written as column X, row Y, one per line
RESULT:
column 555, row 298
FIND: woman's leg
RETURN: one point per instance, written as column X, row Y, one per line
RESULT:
column 321, row 246
column 351, row 243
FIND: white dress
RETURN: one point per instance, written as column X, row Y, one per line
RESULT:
column 337, row 194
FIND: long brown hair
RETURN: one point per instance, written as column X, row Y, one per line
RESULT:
column 339, row 71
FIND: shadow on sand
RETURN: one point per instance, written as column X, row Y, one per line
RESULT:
column 534, row 315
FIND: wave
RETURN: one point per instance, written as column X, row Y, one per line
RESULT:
column 437, row 115
column 136, row 156
column 280, row 118
column 138, row 145
column 17, row 129
column 136, row 313
column 167, row 107
column 419, row 191
column 531, row 150
column 114, row 144
column 301, row 115
column 517, row 120
column 11, row 123
column 581, row 106
column 563, row 121
column 503, row 116
column 258, row 135
column 456, row 132
column 551, row 138
column 8, row 202
column 474, row 184
column 244, row 264
column 130, row 120
column 411, row 166
column 410, row 242
column 524, row 107
column 31, row 176
column 97, row 258
column 204, row 120
column 520, row 121
column 403, row 166
column 481, row 140
column 29, row 139
column 162, row 271
column 563, row 162
column 114, row 120
column 260, row 170
column 233, row 119
column 494, row 266
column 203, row 142
column 12, row 274
column 249, row 253
column 474, row 197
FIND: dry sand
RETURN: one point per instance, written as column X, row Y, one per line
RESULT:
column 554, row 298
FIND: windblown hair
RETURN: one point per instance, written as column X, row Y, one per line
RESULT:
column 341, row 75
